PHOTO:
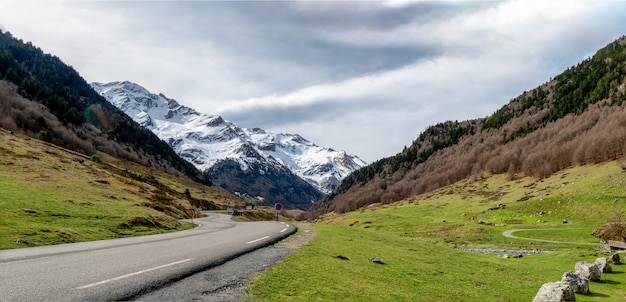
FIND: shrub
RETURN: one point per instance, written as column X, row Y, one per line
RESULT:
column 615, row 229
column 96, row 159
column 44, row 136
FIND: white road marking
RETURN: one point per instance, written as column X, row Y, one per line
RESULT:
column 132, row 274
column 284, row 230
column 257, row 240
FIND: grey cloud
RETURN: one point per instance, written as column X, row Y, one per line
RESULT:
column 367, row 77
column 321, row 111
column 274, row 33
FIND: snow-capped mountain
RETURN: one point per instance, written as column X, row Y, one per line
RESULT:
column 207, row 140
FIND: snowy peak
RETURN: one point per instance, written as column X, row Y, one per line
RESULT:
column 137, row 101
column 322, row 167
column 206, row 140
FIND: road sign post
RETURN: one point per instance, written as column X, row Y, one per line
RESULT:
column 278, row 207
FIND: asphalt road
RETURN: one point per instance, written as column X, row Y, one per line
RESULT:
column 124, row 269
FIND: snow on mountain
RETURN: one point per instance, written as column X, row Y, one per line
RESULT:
column 205, row 140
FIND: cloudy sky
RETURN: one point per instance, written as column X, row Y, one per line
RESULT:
column 365, row 77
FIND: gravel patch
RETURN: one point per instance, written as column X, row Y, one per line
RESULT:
column 503, row 251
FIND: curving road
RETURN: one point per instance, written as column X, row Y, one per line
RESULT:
column 509, row 234
column 121, row 269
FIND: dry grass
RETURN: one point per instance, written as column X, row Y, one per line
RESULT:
column 50, row 195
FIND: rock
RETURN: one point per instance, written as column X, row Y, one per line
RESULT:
column 578, row 283
column 29, row 211
column 603, row 265
column 555, row 292
column 615, row 259
column 605, row 248
column 589, row 271
column 377, row 260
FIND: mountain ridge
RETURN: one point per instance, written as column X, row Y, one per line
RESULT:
column 576, row 118
column 44, row 98
column 210, row 141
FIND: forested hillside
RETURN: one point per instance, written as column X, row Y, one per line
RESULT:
column 579, row 117
column 44, row 98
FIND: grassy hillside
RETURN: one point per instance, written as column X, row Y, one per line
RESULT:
column 577, row 118
column 421, row 240
column 51, row 195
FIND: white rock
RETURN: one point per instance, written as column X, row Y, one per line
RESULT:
column 555, row 292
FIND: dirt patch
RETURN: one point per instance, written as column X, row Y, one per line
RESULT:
column 301, row 238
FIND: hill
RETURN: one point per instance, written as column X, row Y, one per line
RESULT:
column 577, row 118
column 44, row 98
column 52, row 195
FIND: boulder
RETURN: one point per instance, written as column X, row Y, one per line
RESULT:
column 555, row 292
column 615, row 259
column 588, row 270
column 578, row 283
column 603, row 265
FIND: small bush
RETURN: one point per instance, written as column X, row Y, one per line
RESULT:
column 615, row 229
column 44, row 136
column 96, row 159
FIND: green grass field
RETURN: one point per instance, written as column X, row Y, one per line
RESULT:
column 49, row 195
column 420, row 239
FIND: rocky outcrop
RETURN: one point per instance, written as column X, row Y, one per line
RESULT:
column 275, row 185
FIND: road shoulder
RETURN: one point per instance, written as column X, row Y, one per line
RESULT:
column 228, row 282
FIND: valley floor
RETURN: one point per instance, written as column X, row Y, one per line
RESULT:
column 421, row 242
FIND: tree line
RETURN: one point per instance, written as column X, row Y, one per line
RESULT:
column 68, row 112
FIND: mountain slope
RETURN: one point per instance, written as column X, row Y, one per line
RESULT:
column 250, row 161
column 51, row 195
column 44, row 98
column 577, row 118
